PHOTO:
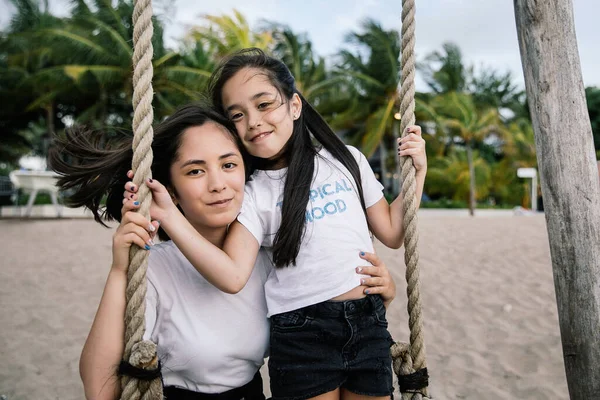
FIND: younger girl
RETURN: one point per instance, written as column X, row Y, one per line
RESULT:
column 312, row 207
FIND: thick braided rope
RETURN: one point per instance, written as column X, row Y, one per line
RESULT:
column 408, row 359
column 141, row 354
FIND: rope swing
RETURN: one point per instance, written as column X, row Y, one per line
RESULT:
column 410, row 365
column 139, row 355
column 140, row 369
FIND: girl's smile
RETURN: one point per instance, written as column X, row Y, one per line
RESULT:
column 264, row 121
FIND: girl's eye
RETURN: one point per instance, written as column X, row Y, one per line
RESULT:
column 236, row 117
column 265, row 105
column 229, row 165
column 195, row 172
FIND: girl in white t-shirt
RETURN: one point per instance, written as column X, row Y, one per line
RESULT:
column 210, row 344
column 311, row 206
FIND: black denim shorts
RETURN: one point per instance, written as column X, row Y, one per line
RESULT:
column 319, row 348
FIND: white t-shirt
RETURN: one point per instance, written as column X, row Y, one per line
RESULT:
column 208, row 341
column 336, row 231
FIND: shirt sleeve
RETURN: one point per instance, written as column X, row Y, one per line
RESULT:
column 372, row 188
column 249, row 215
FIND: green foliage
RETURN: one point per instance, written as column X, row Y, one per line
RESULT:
column 58, row 71
column 372, row 75
column 445, row 71
column 592, row 95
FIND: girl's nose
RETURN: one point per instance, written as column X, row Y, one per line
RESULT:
column 216, row 182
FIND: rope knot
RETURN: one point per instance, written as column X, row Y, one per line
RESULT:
column 143, row 355
column 409, row 380
column 143, row 363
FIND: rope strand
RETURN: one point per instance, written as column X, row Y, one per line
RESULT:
column 409, row 360
column 137, row 353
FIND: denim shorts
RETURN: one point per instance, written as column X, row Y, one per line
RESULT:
column 333, row 344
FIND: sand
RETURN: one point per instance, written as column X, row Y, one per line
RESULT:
column 491, row 322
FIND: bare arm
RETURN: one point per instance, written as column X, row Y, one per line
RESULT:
column 103, row 348
column 227, row 269
column 104, row 345
column 386, row 220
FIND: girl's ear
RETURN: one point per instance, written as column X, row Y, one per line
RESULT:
column 296, row 106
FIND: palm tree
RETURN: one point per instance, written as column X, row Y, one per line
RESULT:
column 372, row 72
column 518, row 152
column 471, row 128
column 492, row 89
column 445, row 71
column 94, row 51
column 227, row 34
column 451, row 176
column 30, row 99
column 311, row 76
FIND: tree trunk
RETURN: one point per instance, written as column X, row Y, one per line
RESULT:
column 570, row 187
column 49, row 128
column 472, row 187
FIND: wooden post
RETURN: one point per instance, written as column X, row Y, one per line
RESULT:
column 567, row 166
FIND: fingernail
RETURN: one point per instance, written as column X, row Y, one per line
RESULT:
column 366, row 291
column 407, row 129
column 131, row 196
column 158, row 222
column 358, row 269
column 150, row 180
column 151, row 228
column 147, row 247
column 362, row 253
column 362, row 281
column 136, row 203
column 132, row 187
column 151, row 242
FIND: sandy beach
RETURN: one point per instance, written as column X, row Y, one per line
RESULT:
column 491, row 322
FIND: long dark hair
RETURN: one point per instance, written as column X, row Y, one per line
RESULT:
column 299, row 151
column 93, row 167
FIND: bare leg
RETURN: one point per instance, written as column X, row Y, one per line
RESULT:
column 333, row 395
column 348, row 395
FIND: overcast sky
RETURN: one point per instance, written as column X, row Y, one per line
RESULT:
column 484, row 30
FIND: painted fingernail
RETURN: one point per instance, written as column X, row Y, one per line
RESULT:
column 151, row 228
column 150, row 180
column 366, row 291
column 131, row 196
column 136, row 203
column 132, row 187
column 158, row 222
column 362, row 253
column 147, row 247
column 407, row 129
column 358, row 269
